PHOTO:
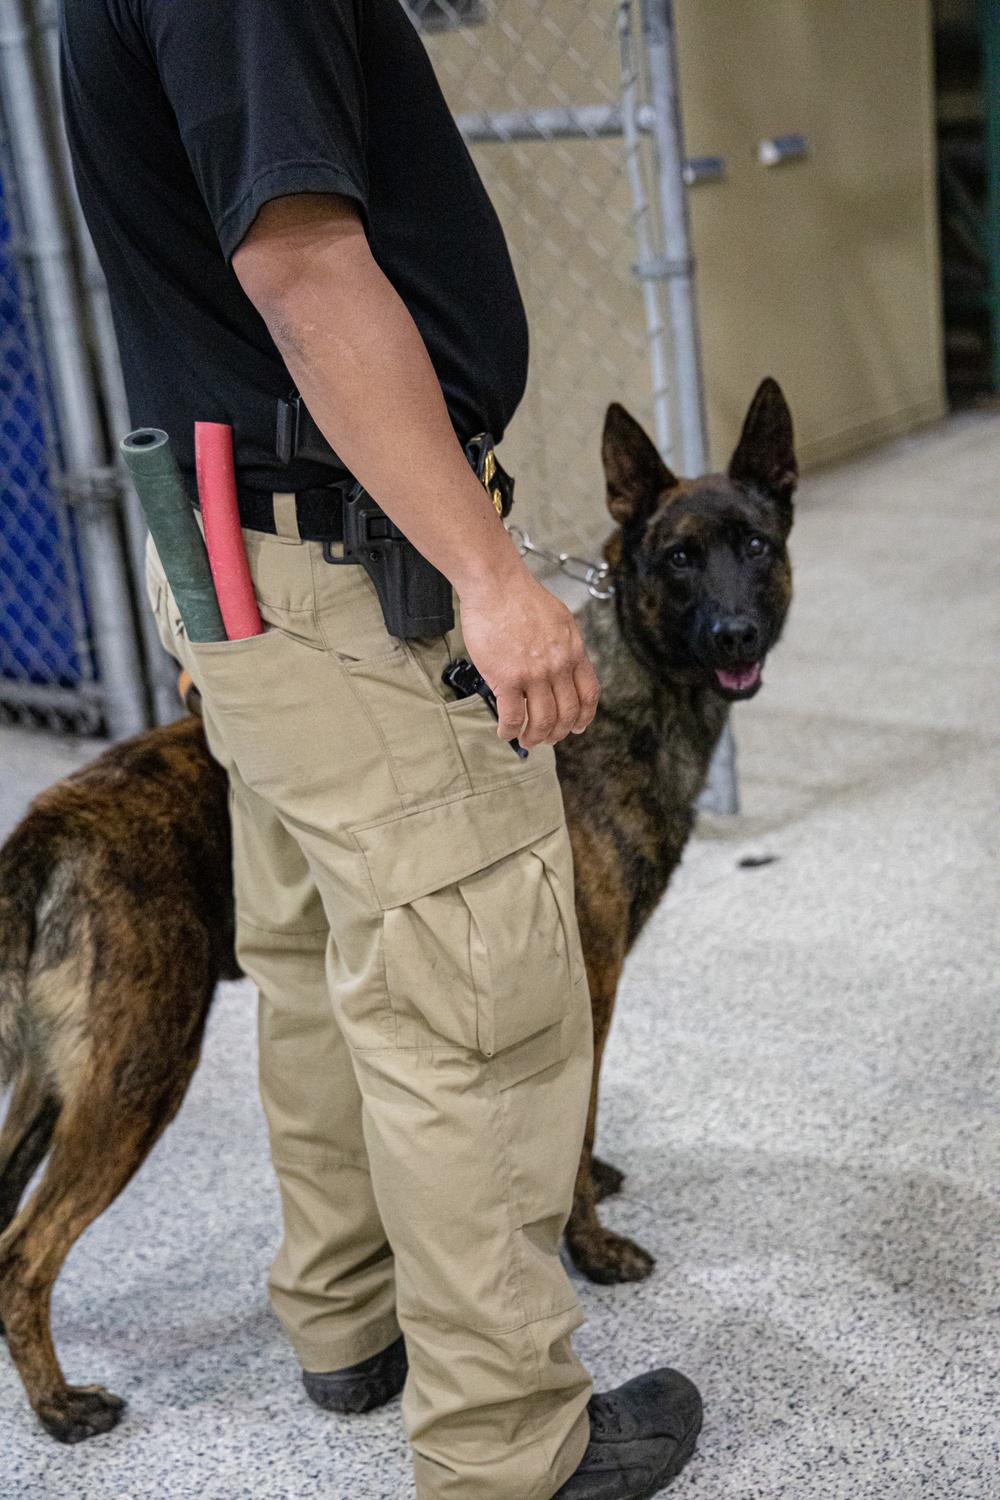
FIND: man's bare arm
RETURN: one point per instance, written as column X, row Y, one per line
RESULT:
column 363, row 370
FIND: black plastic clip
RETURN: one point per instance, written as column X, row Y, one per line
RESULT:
column 465, row 682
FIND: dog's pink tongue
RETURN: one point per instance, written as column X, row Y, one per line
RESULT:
column 738, row 682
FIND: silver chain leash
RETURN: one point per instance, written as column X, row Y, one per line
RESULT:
column 594, row 575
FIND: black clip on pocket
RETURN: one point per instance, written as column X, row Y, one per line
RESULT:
column 465, row 682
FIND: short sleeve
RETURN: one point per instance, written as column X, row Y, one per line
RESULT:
column 269, row 98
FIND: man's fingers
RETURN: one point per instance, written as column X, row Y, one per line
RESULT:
column 588, row 692
column 555, row 706
column 567, row 700
column 510, row 712
column 528, row 647
column 542, row 715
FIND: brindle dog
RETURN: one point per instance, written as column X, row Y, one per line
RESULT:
column 116, row 923
column 116, row 915
column 702, row 584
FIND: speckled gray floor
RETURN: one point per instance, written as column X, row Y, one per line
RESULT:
column 801, row 1086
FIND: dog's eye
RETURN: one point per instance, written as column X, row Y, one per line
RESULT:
column 679, row 557
column 758, row 547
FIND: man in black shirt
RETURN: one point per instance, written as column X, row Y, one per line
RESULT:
column 280, row 198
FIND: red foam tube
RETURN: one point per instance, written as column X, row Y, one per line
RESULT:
column 213, row 456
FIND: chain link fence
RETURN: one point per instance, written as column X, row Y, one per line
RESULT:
column 571, row 112
column 47, row 674
column 538, row 88
column 76, row 655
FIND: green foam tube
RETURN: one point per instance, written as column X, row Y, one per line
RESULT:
column 170, row 518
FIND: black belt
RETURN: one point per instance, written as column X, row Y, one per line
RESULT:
column 319, row 513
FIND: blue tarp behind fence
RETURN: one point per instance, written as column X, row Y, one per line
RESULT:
column 42, row 611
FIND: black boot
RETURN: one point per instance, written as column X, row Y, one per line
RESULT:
column 360, row 1387
column 641, row 1435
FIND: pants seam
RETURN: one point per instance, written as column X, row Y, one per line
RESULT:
column 415, row 1316
column 376, row 729
column 329, row 1159
column 514, row 1228
column 516, row 1233
column 322, row 932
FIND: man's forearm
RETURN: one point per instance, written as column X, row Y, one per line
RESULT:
column 360, row 364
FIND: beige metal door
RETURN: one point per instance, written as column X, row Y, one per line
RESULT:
column 822, row 272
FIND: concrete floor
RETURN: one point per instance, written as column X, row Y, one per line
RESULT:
column 801, row 1086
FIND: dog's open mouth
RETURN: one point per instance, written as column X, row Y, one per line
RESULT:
column 741, row 681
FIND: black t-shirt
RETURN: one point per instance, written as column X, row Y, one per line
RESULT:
column 186, row 116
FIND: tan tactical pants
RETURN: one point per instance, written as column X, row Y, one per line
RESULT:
column 405, row 904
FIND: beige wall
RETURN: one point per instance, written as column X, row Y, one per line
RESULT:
column 823, row 272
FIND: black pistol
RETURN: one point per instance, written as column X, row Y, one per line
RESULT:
column 465, row 682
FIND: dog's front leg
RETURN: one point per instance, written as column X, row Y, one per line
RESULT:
column 599, row 1253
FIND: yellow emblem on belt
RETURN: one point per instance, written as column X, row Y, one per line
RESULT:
column 489, row 469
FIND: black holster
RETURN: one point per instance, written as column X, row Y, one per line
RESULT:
column 416, row 599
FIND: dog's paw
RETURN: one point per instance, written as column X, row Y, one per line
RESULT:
column 607, row 1179
column 83, row 1412
column 608, row 1258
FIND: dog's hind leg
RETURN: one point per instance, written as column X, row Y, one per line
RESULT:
column 27, row 1130
column 103, row 1135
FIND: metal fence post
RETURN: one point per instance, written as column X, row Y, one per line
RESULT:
column 161, row 669
column 646, row 266
column 721, row 792
column 88, row 479
column 678, row 264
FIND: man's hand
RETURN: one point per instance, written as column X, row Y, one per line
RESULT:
column 357, row 357
column 527, row 646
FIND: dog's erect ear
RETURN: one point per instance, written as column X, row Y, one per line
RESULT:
column 636, row 474
column 765, row 453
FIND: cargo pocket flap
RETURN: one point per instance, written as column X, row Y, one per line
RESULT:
column 411, row 856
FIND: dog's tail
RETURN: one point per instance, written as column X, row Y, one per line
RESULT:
column 26, row 861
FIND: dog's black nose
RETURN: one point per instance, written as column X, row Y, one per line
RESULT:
column 736, row 638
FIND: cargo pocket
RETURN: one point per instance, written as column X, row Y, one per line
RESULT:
column 412, row 723
column 519, row 949
column 480, row 952
column 489, row 760
column 484, row 963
